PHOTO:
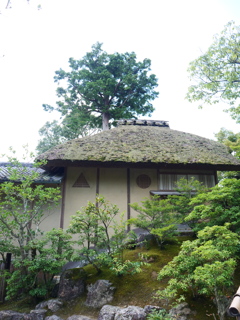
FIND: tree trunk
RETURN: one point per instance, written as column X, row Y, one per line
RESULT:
column 105, row 121
column 222, row 303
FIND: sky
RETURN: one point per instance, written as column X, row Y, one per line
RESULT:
column 171, row 33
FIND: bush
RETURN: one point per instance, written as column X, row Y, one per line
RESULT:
column 159, row 315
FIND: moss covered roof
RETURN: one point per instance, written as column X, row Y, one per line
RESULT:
column 143, row 144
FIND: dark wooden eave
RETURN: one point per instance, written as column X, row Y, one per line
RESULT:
column 55, row 164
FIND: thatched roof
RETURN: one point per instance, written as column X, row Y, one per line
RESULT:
column 146, row 145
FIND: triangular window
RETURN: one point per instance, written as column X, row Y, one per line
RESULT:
column 81, row 182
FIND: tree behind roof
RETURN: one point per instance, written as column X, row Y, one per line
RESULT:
column 101, row 88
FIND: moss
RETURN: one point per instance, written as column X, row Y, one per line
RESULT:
column 148, row 144
column 75, row 274
column 21, row 305
column 138, row 289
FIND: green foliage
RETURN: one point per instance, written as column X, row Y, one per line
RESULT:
column 232, row 141
column 216, row 72
column 159, row 315
column 203, row 266
column 187, row 189
column 48, row 255
column 218, row 206
column 72, row 126
column 125, row 267
column 99, row 235
column 169, row 296
column 101, row 88
column 23, row 206
column 157, row 217
column 160, row 216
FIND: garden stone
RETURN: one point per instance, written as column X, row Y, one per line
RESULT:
column 41, row 305
column 52, row 304
column 33, row 315
column 53, row 317
column 78, row 317
column 72, row 284
column 38, row 314
column 108, row 312
column 11, row 315
column 181, row 312
column 54, row 293
column 99, row 294
column 149, row 309
column 131, row 312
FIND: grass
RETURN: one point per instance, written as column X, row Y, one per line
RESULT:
column 138, row 289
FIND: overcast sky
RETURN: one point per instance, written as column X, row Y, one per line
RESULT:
column 35, row 43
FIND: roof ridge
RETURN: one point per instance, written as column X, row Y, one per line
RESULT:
column 143, row 122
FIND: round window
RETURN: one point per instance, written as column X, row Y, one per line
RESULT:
column 143, row 181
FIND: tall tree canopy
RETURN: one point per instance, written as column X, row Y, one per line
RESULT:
column 217, row 72
column 232, row 141
column 104, row 87
column 73, row 125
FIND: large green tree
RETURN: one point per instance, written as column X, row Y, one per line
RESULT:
column 24, row 204
column 73, row 126
column 218, row 206
column 231, row 140
column 204, row 266
column 102, row 87
column 216, row 73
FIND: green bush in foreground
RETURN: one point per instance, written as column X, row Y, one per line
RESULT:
column 204, row 266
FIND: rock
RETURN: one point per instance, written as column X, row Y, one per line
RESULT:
column 11, row 315
column 148, row 309
column 53, row 317
column 108, row 312
column 41, row 305
column 116, row 313
column 38, row 314
column 78, row 317
column 74, row 265
column 181, row 312
column 72, row 284
column 54, row 293
column 52, row 304
column 99, row 294
column 131, row 312
column 33, row 315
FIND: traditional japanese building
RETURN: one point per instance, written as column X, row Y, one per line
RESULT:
column 129, row 163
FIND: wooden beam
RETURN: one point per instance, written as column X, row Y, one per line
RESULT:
column 63, row 192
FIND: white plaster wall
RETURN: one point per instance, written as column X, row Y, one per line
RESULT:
column 113, row 186
column 78, row 197
column 51, row 218
column 138, row 194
